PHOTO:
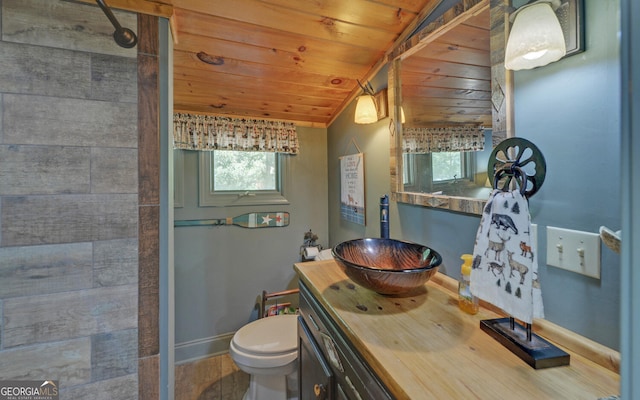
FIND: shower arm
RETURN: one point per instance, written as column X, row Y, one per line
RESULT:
column 124, row 37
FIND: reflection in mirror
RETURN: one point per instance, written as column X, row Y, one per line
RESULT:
column 442, row 88
column 451, row 173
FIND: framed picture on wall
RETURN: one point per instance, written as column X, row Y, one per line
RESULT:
column 352, row 207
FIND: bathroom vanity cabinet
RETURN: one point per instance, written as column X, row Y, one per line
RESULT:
column 357, row 344
column 329, row 366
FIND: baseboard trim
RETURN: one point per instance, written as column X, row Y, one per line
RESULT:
column 202, row 348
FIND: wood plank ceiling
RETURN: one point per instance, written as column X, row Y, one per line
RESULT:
column 283, row 59
column 448, row 81
column 300, row 60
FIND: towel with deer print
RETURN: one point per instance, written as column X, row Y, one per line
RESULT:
column 505, row 267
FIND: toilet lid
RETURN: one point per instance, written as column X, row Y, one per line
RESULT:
column 272, row 335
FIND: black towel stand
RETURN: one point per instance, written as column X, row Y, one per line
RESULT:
column 516, row 162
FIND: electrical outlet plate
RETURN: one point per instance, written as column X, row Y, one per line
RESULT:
column 574, row 251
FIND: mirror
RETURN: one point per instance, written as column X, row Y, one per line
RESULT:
column 446, row 82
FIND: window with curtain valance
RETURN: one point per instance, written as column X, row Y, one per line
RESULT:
column 206, row 133
column 443, row 139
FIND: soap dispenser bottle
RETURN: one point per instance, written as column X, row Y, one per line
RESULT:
column 466, row 301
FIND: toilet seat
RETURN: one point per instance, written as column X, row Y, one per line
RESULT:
column 267, row 342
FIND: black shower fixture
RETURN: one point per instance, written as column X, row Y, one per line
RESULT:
column 124, row 37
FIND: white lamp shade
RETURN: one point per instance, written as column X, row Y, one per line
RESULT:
column 366, row 112
column 536, row 38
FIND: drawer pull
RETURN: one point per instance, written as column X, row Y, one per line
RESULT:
column 353, row 388
column 313, row 321
column 319, row 390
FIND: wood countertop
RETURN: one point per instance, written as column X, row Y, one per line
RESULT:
column 424, row 347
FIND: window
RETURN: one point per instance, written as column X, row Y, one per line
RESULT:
column 243, row 170
column 434, row 172
column 238, row 178
column 409, row 169
column 447, row 166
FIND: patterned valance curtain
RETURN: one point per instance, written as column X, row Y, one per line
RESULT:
column 433, row 140
column 206, row 133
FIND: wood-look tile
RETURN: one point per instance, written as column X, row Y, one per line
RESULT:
column 121, row 388
column 114, row 354
column 148, row 199
column 45, row 120
column 115, row 262
column 148, row 34
column 1, row 99
column 212, row 378
column 148, row 131
column 149, row 378
column 63, row 24
column 198, row 379
column 148, row 281
column 69, row 362
column 111, row 170
column 114, row 79
column 234, row 382
column 19, row 73
column 61, row 316
column 38, row 270
column 64, row 219
column 43, row 170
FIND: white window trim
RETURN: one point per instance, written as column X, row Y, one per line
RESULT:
column 209, row 198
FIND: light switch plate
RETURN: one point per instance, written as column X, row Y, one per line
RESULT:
column 574, row 251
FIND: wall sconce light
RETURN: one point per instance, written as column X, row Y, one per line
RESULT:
column 370, row 107
column 543, row 32
column 366, row 112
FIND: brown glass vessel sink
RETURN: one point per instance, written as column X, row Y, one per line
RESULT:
column 387, row 266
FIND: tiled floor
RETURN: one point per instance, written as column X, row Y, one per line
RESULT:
column 214, row 378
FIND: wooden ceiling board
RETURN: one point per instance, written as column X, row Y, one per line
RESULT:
column 433, row 66
column 227, row 94
column 209, row 27
column 205, row 80
column 300, row 60
column 282, row 58
column 448, row 118
column 265, row 71
column 415, row 6
column 359, row 12
column 455, row 53
column 451, row 102
column 219, row 50
column 467, row 36
column 437, row 93
column 448, row 81
column 198, row 107
column 443, row 81
column 259, row 13
column 481, row 20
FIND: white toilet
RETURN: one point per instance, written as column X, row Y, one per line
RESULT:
column 267, row 349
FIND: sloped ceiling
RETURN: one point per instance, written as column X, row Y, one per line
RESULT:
column 294, row 60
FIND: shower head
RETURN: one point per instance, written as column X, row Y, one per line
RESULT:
column 125, row 37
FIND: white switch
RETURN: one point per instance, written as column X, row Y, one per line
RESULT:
column 574, row 251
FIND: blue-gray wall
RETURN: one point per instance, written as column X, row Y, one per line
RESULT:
column 220, row 272
column 571, row 111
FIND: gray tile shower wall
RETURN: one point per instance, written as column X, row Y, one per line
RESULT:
column 73, row 235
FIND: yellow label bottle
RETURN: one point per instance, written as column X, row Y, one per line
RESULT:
column 466, row 301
